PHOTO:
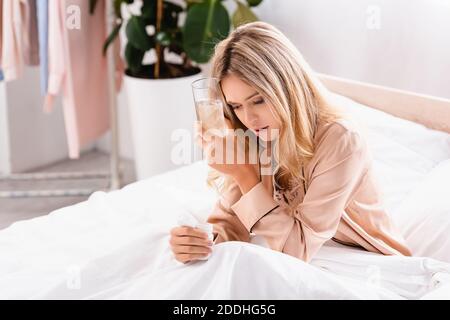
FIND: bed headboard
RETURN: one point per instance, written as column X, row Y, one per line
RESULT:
column 430, row 111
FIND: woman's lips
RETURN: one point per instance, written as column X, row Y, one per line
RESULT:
column 259, row 130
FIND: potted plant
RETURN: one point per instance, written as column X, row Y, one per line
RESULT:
column 159, row 91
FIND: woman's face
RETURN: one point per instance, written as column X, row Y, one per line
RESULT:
column 250, row 107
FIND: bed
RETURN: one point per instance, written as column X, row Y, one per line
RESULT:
column 115, row 245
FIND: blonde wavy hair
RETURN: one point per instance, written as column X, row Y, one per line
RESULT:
column 264, row 58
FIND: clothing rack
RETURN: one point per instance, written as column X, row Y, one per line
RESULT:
column 114, row 174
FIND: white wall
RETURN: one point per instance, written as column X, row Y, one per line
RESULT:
column 5, row 164
column 35, row 138
column 30, row 138
column 410, row 50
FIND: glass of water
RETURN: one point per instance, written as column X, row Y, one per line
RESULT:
column 209, row 107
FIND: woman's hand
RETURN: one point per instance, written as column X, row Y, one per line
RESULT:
column 201, row 136
column 226, row 154
column 239, row 165
column 189, row 243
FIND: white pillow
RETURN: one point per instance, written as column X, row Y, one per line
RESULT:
column 430, row 144
column 424, row 216
column 403, row 152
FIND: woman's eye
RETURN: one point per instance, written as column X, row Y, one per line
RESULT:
column 234, row 107
column 259, row 101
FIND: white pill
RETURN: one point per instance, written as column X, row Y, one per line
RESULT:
column 208, row 228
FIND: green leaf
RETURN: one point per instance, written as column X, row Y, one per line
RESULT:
column 176, row 42
column 148, row 10
column 111, row 37
column 134, row 58
column 205, row 25
column 172, row 7
column 137, row 34
column 190, row 3
column 254, row 3
column 243, row 15
column 171, row 13
column 163, row 38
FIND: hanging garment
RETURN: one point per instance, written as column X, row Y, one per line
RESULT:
column 42, row 17
column 1, row 38
column 30, row 34
column 19, row 37
column 78, row 69
column 12, row 48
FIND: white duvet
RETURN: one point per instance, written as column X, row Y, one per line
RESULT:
column 115, row 245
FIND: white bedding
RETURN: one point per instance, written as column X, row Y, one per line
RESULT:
column 115, row 245
column 106, row 249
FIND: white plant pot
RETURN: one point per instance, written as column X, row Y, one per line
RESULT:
column 157, row 108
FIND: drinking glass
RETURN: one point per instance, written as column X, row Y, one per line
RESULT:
column 209, row 107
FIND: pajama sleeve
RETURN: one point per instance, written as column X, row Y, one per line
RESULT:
column 226, row 225
column 341, row 166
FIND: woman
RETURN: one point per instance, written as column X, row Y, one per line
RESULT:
column 322, row 186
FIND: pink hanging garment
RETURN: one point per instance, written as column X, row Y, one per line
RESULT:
column 1, row 37
column 19, row 37
column 78, row 69
column 12, row 47
column 30, row 34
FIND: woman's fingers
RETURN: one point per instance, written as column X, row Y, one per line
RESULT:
column 192, row 250
column 202, row 143
column 198, row 128
column 189, row 231
column 189, row 243
column 201, row 139
column 189, row 236
column 188, row 257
